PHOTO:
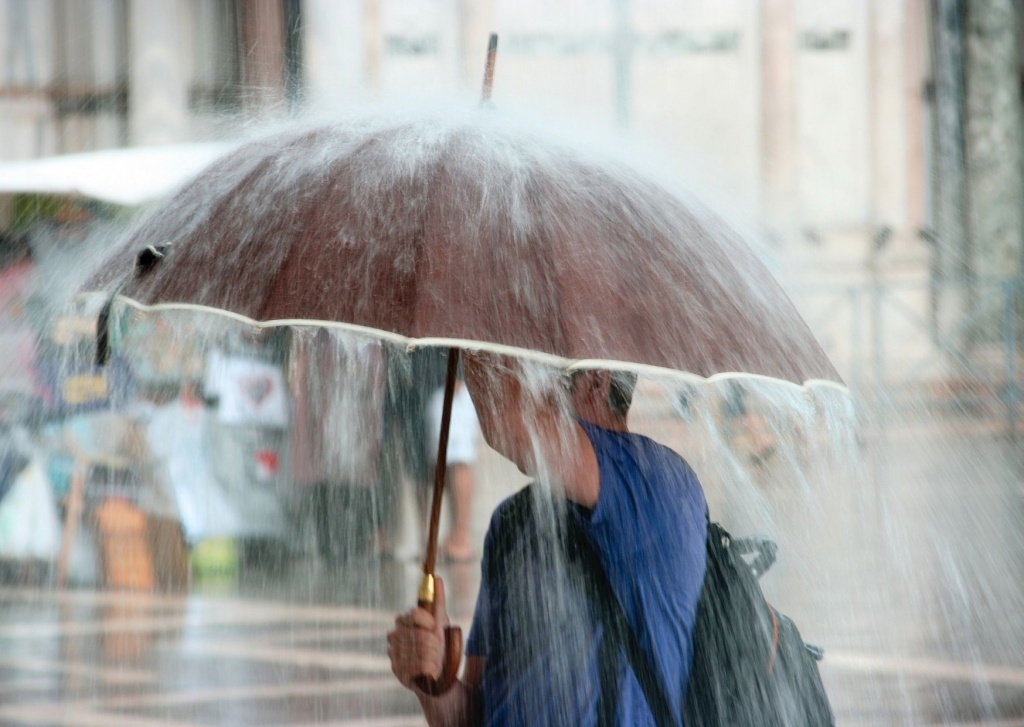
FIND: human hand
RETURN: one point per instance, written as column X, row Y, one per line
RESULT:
column 416, row 645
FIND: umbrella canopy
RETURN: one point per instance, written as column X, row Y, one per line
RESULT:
column 470, row 229
column 466, row 231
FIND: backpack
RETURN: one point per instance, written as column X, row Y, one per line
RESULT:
column 750, row 668
column 750, row 664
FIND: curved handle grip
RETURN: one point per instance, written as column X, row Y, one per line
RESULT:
column 450, row 670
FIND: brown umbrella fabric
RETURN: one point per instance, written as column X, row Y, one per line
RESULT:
column 469, row 227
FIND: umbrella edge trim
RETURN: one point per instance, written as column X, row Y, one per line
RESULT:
column 566, row 364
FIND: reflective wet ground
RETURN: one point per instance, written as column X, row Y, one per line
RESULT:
column 920, row 608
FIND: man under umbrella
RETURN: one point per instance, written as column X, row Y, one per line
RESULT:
column 491, row 236
column 533, row 655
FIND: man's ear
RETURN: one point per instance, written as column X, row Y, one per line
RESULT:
column 607, row 387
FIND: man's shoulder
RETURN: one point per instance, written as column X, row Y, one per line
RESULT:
column 607, row 438
column 510, row 523
column 673, row 459
column 513, row 511
column 657, row 454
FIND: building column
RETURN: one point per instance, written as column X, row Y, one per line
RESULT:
column 373, row 45
column 888, row 116
column 916, row 63
column 157, row 89
column 622, row 62
column 778, row 116
column 993, row 133
column 475, row 24
column 333, row 42
column 950, row 267
column 262, row 54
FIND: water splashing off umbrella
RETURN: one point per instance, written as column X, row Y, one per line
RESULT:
column 468, row 230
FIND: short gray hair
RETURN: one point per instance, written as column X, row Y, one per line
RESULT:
column 620, row 397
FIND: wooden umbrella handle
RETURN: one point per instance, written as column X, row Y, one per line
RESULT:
column 425, row 598
column 450, row 667
column 440, row 473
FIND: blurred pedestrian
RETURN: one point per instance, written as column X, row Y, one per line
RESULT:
column 749, row 431
column 337, row 389
column 412, row 376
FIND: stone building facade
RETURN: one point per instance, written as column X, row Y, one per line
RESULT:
column 811, row 117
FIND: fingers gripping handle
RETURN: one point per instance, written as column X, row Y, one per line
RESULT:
column 450, row 669
column 452, row 649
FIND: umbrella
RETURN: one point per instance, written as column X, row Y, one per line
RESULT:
column 464, row 229
column 467, row 230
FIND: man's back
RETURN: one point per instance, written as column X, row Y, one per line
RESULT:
column 534, row 624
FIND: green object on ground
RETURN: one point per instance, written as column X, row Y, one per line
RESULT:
column 215, row 558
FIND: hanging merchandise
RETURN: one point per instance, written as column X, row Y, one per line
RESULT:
column 29, row 527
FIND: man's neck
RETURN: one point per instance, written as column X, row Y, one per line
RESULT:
column 605, row 420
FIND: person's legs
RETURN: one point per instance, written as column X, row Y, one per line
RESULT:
column 322, row 520
column 345, row 521
column 387, row 494
column 459, row 546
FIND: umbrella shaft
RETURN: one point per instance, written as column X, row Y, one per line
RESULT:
column 440, row 471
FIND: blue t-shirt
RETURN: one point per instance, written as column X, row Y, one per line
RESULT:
column 536, row 627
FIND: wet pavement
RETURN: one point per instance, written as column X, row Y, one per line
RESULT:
column 916, row 590
column 931, row 594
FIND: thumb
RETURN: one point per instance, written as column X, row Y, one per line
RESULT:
column 440, row 604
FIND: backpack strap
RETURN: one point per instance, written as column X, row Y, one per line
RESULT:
column 617, row 632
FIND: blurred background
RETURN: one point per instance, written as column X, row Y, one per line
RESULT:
column 872, row 149
column 868, row 143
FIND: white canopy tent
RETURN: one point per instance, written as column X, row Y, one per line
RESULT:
column 122, row 176
column 205, row 505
